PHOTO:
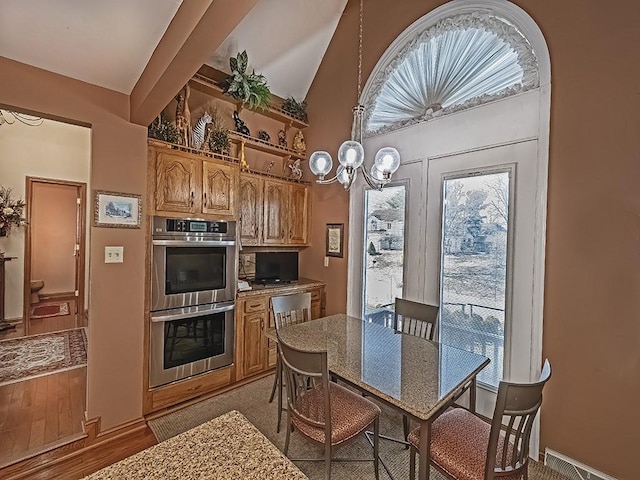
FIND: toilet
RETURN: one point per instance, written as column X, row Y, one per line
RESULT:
column 36, row 286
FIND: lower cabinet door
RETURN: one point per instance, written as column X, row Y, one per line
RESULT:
column 253, row 357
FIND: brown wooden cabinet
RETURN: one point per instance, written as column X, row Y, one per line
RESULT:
column 219, row 188
column 298, row 215
column 273, row 212
column 184, row 182
column 274, row 228
column 250, row 209
column 257, row 353
column 175, row 182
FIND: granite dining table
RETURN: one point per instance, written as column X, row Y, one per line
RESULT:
column 418, row 377
column 225, row 448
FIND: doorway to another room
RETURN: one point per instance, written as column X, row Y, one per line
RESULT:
column 54, row 256
column 46, row 165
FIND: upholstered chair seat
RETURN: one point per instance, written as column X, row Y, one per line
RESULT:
column 459, row 441
column 350, row 414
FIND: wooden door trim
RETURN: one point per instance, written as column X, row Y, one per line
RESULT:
column 80, row 262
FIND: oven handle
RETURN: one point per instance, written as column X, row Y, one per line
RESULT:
column 194, row 243
column 179, row 316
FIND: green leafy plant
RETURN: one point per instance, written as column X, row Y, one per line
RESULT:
column 295, row 109
column 250, row 88
column 219, row 141
column 162, row 129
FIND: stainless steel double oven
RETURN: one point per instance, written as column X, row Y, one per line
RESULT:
column 193, row 286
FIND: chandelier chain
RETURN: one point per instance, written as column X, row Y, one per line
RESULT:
column 360, row 49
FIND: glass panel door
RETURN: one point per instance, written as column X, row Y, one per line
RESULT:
column 473, row 277
column 383, row 249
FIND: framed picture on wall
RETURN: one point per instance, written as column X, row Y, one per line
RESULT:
column 335, row 239
column 117, row 210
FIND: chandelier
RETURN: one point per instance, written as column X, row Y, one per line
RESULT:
column 351, row 152
column 9, row 117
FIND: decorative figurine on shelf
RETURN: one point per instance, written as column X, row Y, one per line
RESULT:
column 270, row 166
column 183, row 116
column 244, row 166
column 200, row 131
column 282, row 138
column 298, row 142
column 208, row 131
column 241, row 127
column 296, row 171
column 264, row 136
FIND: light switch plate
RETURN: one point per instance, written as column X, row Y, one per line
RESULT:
column 113, row 254
column 326, row 261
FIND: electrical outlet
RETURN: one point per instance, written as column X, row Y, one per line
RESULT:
column 113, row 254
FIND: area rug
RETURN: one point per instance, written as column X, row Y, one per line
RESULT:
column 50, row 310
column 38, row 355
column 252, row 401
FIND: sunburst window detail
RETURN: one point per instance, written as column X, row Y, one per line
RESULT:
column 460, row 62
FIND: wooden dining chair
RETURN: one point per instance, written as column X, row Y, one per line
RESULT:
column 323, row 411
column 465, row 447
column 418, row 319
column 414, row 318
column 287, row 310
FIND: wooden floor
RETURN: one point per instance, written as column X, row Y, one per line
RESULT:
column 40, row 411
column 43, row 410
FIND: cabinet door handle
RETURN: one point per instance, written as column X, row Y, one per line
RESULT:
column 262, row 324
column 192, row 195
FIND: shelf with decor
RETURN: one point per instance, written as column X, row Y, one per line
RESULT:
column 266, row 147
column 212, row 87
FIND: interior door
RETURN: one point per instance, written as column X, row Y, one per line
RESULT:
column 479, row 257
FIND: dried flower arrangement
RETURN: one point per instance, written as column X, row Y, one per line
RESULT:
column 10, row 211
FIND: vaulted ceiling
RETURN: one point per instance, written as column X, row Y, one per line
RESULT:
column 131, row 46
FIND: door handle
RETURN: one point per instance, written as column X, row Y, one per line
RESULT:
column 192, row 195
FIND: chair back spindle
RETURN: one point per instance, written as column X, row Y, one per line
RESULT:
column 414, row 318
column 291, row 309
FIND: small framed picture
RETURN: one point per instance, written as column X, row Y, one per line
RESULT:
column 335, row 239
column 117, row 210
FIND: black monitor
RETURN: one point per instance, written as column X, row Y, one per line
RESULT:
column 276, row 267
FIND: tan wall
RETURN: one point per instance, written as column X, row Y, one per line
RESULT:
column 51, row 150
column 53, row 227
column 591, row 321
column 118, row 155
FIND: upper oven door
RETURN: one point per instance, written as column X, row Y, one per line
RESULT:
column 187, row 273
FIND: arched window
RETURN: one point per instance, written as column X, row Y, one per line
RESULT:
column 461, row 61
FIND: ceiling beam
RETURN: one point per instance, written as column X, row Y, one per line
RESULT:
column 198, row 29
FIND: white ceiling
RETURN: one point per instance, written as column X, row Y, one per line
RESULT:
column 103, row 42
column 285, row 41
column 109, row 42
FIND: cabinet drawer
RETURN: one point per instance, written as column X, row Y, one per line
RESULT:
column 255, row 305
column 315, row 295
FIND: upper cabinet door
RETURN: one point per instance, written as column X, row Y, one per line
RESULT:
column 275, row 213
column 219, row 184
column 175, row 183
column 298, row 215
column 250, row 210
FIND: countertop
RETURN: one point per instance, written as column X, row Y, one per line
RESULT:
column 227, row 447
column 280, row 288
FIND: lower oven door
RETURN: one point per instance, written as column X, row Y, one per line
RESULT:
column 188, row 341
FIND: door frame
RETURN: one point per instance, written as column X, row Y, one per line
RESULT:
column 81, row 235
